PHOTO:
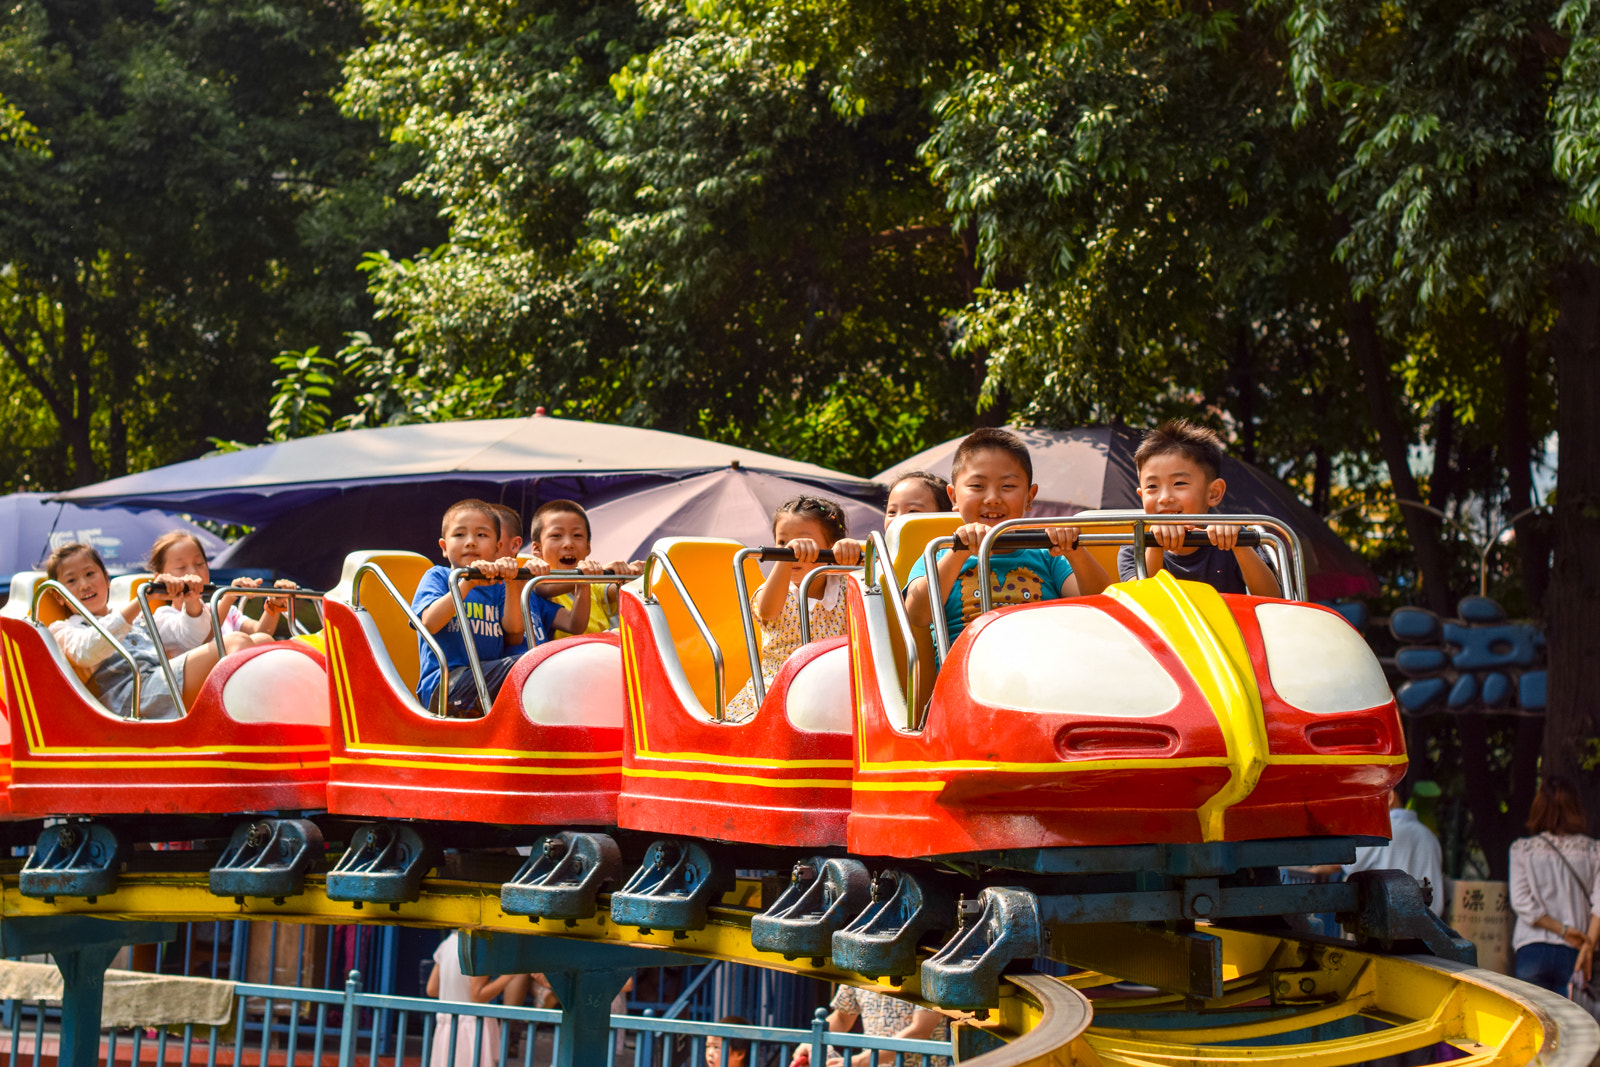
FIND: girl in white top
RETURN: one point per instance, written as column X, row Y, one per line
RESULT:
column 806, row 524
column 1555, row 890
column 446, row 982
column 107, row 674
column 185, row 623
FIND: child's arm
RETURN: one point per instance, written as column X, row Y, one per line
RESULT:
column 620, row 566
column 1087, row 577
column 575, row 619
column 484, row 989
column 774, row 592
column 438, row 612
column 512, row 624
column 271, row 610
column 918, row 608
column 1258, row 577
column 180, row 624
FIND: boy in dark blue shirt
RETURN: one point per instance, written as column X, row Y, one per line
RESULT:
column 470, row 537
column 1180, row 468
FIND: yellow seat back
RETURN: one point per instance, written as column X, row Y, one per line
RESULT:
column 405, row 570
column 908, row 535
column 706, row 567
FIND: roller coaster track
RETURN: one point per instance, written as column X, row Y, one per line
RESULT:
column 1354, row 1005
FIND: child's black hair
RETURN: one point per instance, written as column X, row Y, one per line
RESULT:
column 989, row 438
column 483, row 507
column 1199, row 443
column 558, row 507
column 825, row 511
column 936, row 485
column 62, row 553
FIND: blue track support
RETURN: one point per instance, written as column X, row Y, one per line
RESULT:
column 586, row 976
column 83, row 947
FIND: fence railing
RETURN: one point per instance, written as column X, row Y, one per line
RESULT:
column 286, row 1026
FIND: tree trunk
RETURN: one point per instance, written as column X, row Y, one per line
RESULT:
column 76, row 429
column 1244, row 383
column 1421, row 527
column 971, row 276
column 1487, row 787
column 1573, row 600
column 1532, row 540
column 1442, row 486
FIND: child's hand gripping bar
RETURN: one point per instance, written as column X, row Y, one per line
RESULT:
column 573, row 578
column 459, row 575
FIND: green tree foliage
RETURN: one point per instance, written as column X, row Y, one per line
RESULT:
column 184, row 201
column 660, row 219
column 1469, row 197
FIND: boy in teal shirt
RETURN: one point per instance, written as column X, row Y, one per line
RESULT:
column 991, row 480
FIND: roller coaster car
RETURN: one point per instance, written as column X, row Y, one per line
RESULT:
column 781, row 776
column 1158, row 712
column 256, row 738
column 15, row 607
column 548, row 752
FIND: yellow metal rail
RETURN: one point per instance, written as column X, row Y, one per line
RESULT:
column 1272, row 986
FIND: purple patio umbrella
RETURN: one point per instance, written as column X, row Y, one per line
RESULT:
column 1091, row 467
column 732, row 502
column 31, row 525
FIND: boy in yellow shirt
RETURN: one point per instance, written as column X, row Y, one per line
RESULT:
column 560, row 536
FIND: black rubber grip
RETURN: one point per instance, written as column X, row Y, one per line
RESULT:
column 1041, row 539
column 786, row 555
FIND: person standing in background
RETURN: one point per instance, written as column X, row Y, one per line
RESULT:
column 1412, row 848
column 1555, row 890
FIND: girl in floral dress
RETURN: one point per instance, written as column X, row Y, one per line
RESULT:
column 808, row 525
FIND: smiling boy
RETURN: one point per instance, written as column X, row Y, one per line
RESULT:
column 469, row 536
column 560, row 536
column 991, row 480
column 1180, row 468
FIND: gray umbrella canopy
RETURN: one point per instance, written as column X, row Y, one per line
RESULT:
column 732, row 502
column 1092, row 467
column 255, row 485
column 315, row 499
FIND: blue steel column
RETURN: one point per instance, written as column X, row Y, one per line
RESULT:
column 586, row 976
column 83, row 948
column 585, row 1025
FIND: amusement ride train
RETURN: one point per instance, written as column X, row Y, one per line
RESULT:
column 1062, row 776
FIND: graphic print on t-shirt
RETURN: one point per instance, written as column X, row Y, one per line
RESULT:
column 1022, row 585
column 482, row 619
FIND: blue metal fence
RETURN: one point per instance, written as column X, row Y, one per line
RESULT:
column 285, row 1026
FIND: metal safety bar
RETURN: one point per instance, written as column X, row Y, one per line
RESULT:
column 767, row 554
column 262, row 592
column 876, row 562
column 567, row 578
column 1028, row 533
column 457, row 574
column 215, row 595
column 805, row 594
column 718, row 674
column 747, row 617
column 415, row 620
column 72, row 602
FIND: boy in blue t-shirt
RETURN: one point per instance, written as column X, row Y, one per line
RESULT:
column 991, row 480
column 470, row 537
column 1180, row 466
